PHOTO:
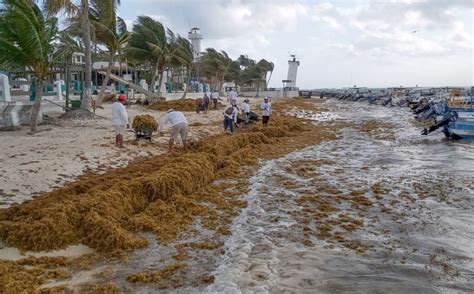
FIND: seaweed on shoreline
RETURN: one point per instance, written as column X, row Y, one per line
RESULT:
column 163, row 194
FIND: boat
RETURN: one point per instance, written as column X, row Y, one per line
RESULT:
column 458, row 120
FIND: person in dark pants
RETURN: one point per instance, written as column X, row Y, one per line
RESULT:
column 229, row 119
column 266, row 108
column 205, row 103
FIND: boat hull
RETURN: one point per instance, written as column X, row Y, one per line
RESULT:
column 463, row 127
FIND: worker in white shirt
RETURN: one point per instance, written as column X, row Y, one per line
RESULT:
column 232, row 97
column 215, row 98
column 246, row 110
column 179, row 125
column 119, row 120
column 266, row 108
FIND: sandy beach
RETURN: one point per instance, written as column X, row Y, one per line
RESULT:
column 66, row 149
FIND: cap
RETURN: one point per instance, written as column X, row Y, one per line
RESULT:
column 122, row 98
column 170, row 110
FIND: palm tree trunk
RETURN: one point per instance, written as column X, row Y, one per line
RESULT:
column 86, row 27
column 153, row 79
column 106, row 80
column 269, row 78
column 220, row 83
column 160, row 83
column 120, row 64
column 185, row 74
column 185, row 91
column 36, row 106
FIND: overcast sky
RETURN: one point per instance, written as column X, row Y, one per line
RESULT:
column 339, row 43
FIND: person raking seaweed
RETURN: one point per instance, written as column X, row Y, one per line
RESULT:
column 179, row 125
column 120, row 120
column 229, row 114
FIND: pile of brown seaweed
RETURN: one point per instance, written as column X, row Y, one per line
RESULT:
column 180, row 104
column 145, row 121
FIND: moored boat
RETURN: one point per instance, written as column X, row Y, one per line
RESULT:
column 458, row 120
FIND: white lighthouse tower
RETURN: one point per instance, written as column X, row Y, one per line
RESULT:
column 195, row 37
column 293, row 64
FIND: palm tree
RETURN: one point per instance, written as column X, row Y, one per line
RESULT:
column 176, row 50
column 183, row 59
column 111, row 31
column 27, row 38
column 79, row 10
column 215, row 66
column 157, row 47
column 245, row 61
column 145, row 44
column 264, row 67
column 256, row 74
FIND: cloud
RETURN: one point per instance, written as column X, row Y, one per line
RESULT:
column 330, row 34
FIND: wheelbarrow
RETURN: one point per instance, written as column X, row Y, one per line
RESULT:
column 143, row 133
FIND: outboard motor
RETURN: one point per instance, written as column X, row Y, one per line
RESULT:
column 387, row 101
column 363, row 97
column 426, row 114
column 356, row 97
column 372, row 99
column 414, row 105
column 403, row 102
column 440, row 108
column 423, row 105
column 450, row 116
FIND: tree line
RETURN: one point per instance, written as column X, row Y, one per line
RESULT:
column 30, row 38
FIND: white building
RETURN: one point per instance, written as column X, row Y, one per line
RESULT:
column 195, row 37
column 78, row 58
column 293, row 64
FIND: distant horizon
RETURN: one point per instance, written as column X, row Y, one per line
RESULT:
column 338, row 43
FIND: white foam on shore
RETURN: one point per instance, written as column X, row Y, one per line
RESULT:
column 237, row 267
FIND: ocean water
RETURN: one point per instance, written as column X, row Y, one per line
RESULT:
column 419, row 233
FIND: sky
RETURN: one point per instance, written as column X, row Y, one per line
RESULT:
column 339, row 43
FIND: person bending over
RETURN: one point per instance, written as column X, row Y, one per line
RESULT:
column 179, row 125
column 246, row 110
column 229, row 119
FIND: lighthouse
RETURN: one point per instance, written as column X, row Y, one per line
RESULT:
column 293, row 64
column 195, row 37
